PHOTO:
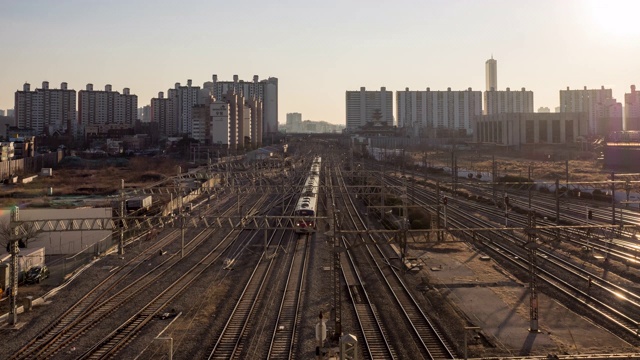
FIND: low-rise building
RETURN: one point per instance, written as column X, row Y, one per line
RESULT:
column 516, row 129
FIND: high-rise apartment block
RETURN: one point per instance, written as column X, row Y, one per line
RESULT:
column 144, row 113
column 1, row 112
column 603, row 111
column 369, row 107
column 46, row 110
column 184, row 99
column 453, row 110
column 265, row 91
column 499, row 102
column 294, row 122
column 10, row 112
column 491, row 73
column 632, row 109
column 108, row 107
column 231, row 119
column 252, row 99
column 163, row 114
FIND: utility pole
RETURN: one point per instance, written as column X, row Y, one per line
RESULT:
column 404, row 218
column 557, row 193
column 121, row 237
column 613, row 199
column 438, row 208
column 531, row 245
column 566, row 171
column 530, row 186
column 337, row 293
column 494, row 175
column 13, row 310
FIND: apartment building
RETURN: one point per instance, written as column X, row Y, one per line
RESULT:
column 265, row 91
column 162, row 113
column 603, row 111
column 46, row 110
column 499, row 101
column 368, row 107
column 453, row 110
column 106, row 107
column 632, row 109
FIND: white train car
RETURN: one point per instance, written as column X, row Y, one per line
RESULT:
column 306, row 208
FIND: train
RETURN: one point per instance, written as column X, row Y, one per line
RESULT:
column 306, row 207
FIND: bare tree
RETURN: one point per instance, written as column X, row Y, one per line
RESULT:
column 23, row 234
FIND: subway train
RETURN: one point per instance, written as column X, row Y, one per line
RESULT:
column 306, row 208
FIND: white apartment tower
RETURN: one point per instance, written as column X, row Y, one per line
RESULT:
column 265, row 91
column 428, row 109
column 491, row 73
column 364, row 107
column 603, row 111
column 632, row 109
column 184, row 98
column 46, row 110
column 499, row 102
column 220, row 120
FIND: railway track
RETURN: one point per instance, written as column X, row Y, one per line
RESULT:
column 231, row 341
column 112, row 343
column 285, row 334
column 424, row 334
column 564, row 278
column 107, row 297
column 43, row 341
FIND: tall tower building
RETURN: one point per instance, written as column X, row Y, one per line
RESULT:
column 491, row 73
column 604, row 112
column 452, row 110
column 364, row 107
column 46, row 110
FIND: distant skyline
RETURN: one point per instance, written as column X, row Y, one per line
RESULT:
column 320, row 50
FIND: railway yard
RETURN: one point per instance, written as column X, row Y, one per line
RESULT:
column 402, row 262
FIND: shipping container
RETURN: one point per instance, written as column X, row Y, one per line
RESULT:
column 140, row 202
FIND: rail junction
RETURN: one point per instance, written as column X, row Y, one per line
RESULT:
column 231, row 277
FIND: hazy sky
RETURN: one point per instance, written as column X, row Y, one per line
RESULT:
column 320, row 49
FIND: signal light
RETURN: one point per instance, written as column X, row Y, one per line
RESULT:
column 590, row 214
column 444, row 200
column 506, row 200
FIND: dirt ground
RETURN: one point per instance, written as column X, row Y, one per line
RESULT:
column 82, row 177
column 497, row 302
column 577, row 168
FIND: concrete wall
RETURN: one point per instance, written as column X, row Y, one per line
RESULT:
column 67, row 242
column 30, row 165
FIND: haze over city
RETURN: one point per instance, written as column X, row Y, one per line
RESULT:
column 318, row 50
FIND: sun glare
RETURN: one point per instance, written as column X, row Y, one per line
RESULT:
column 617, row 17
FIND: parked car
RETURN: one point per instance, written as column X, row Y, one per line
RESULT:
column 37, row 274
